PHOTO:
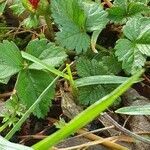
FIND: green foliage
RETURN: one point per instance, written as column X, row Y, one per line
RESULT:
column 134, row 49
column 30, row 85
column 32, row 78
column 2, row 6
column 49, row 53
column 86, row 116
column 123, row 10
column 75, row 18
column 135, row 110
column 11, row 61
column 12, row 111
column 91, row 93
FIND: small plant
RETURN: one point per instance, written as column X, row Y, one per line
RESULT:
column 75, row 34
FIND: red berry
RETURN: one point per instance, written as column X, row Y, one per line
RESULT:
column 34, row 3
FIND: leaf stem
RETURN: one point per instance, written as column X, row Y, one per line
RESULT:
column 50, row 27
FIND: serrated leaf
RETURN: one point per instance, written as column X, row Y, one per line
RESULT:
column 30, row 85
column 47, row 52
column 91, row 93
column 86, row 67
column 11, row 60
column 122, row 11
column 135, row 110
column 133, row 50
column 75, row 18
column 112, row 63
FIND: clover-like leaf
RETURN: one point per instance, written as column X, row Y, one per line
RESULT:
column 134, row 49
column 49, row 53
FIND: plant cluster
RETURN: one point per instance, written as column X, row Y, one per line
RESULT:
column 79, row 24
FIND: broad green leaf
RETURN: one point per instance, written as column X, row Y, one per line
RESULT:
column 46, row 52
column 44, row 65
column 133, row 50
column 6, row 145
column 100, row 79
column 75, row 18
column 30, row 85
column 135, row 110
column 2, row 7
column 11, row 60
column 90, row 93
column 123, row 10
column 86, row 116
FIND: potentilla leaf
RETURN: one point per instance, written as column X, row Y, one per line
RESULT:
column 75, row 18
column 123, row 10
column 47, row 52
column 134, row 49
column 11, row 60
column 30, row 85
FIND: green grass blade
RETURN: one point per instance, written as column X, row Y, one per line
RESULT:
column 29, row 111
column 86, row 116
column 44, row 65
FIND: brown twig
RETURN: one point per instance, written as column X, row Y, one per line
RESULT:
column 126, row 131
column 89, row 144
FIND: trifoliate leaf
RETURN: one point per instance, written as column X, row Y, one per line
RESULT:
column 75, row 18
column 123, row 10
column 133, row 50
column 47, row 52
column 11, row 60
column 30, row 85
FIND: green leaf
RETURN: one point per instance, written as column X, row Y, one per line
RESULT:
column 11, row 60
column 133, row 50
column 17, row 7
column 5, row 80
column 135, row 110
column 6, row 145
column 46, row 52
column 30, row 85
column 75, row 18
column 112, row 63
column 86, row 116
column 87, row 68
column 100, row 79
column 124, row 10
column 32, row 21
column 2, row 6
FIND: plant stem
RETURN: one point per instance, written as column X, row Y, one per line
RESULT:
column 50, row 27
column 72, row 83
column 4, row 126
